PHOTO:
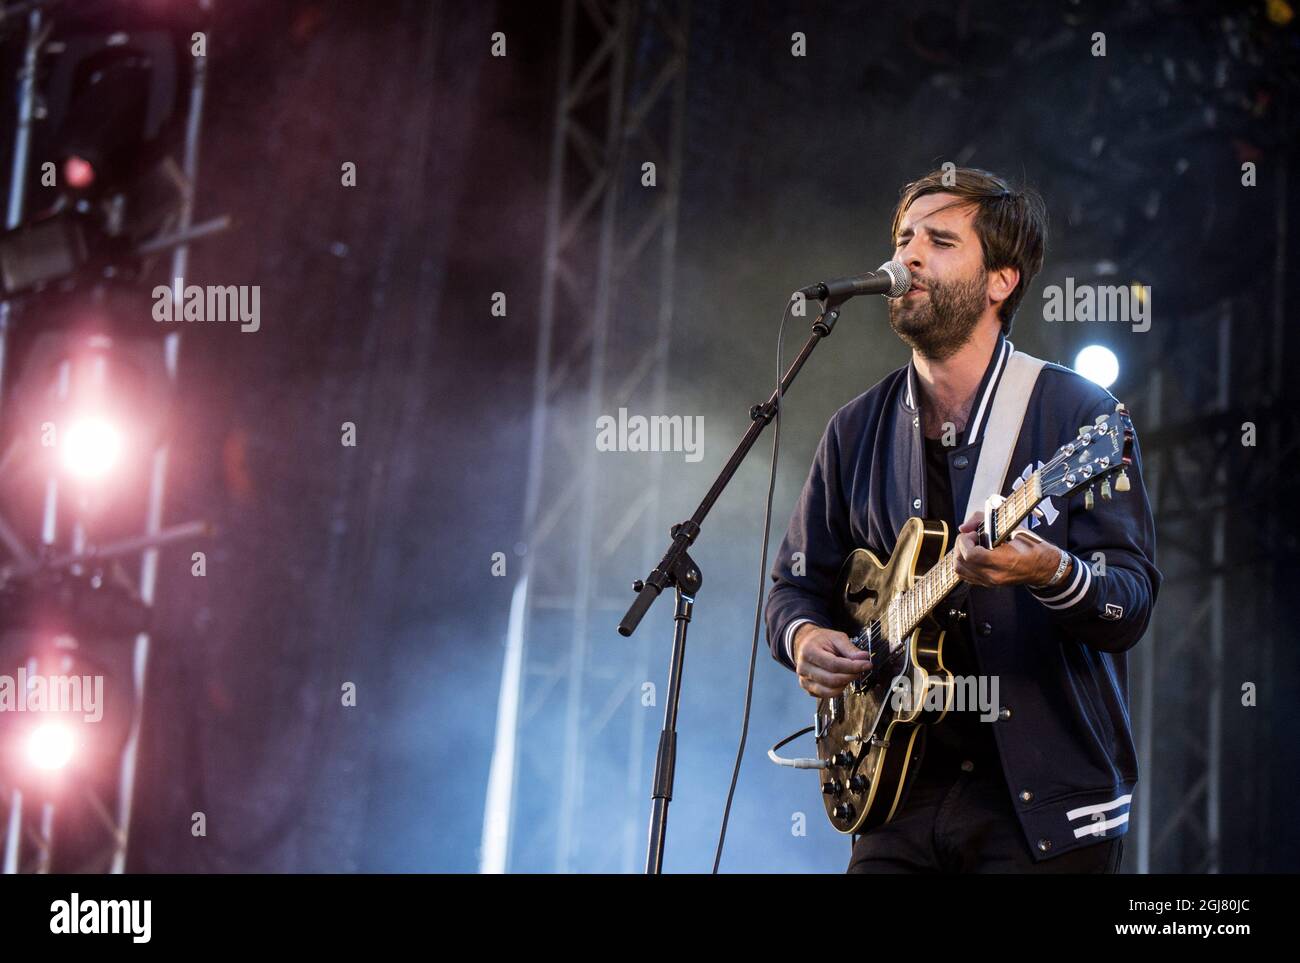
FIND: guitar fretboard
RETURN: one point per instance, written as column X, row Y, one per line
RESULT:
column 908, row 608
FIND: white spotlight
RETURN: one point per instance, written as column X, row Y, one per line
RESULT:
column 50, row 746
column 90, row 448
column 1097, row 364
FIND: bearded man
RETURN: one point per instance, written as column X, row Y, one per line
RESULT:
column 1044, row 782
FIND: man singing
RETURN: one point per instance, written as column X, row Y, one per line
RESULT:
column 1046, row 785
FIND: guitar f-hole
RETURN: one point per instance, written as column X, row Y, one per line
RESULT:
column 859, row 595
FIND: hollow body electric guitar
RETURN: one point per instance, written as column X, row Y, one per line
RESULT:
column 866, row 735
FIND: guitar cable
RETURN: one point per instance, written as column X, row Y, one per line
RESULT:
column 796, row 763
column 762, row 580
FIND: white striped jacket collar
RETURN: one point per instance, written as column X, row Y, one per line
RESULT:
column 983, row 395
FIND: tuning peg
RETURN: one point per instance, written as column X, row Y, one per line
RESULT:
column 1087, row 499
column 1105, row 489
column 1121, row 481
column 1102, row 419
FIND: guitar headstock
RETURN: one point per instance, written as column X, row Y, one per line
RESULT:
column 1100, row 450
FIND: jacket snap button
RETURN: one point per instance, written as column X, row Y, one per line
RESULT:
column 961, row 461
column 916, row 503
column 967, row 766
column 1044, row 844
column 1005, row 713
column 1026, row 795
column 985, row 628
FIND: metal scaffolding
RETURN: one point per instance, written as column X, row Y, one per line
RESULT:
column 1217, row 501
column 29, row 837
column 573, row 685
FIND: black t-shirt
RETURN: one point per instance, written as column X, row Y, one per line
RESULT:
column 961, row 735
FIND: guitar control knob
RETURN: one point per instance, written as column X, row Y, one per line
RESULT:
column 858, row 784
column 832, row 788
column 842, row 811
column 843, row 758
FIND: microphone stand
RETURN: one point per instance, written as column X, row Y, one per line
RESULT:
column 678, row 569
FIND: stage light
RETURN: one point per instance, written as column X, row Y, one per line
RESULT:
column 1097, row 363
column 39, row 253
column 90, row 448
column 50, row 746
column 78, row 172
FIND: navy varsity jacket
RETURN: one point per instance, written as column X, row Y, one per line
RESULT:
column 1062, row 729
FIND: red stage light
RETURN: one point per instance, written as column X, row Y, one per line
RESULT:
column 78, row 172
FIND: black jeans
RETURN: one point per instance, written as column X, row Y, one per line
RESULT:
column 957, row 821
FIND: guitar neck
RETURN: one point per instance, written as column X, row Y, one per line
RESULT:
column 908, row 608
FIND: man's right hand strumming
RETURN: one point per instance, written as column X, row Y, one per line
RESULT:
column 826, row 661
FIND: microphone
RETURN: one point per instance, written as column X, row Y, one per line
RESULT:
column 891, row 279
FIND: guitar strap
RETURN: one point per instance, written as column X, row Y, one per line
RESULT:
column 1005, row 421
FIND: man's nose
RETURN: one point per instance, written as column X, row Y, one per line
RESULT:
column 910, row 255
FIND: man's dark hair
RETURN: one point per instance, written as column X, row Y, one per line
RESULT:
column 1011, row 224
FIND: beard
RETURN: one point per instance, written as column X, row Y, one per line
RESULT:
column 937, row 325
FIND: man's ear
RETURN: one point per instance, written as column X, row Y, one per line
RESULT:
column 1002, row 282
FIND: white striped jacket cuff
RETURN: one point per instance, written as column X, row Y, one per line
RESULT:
column 1069, row 593
column 789, row 639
